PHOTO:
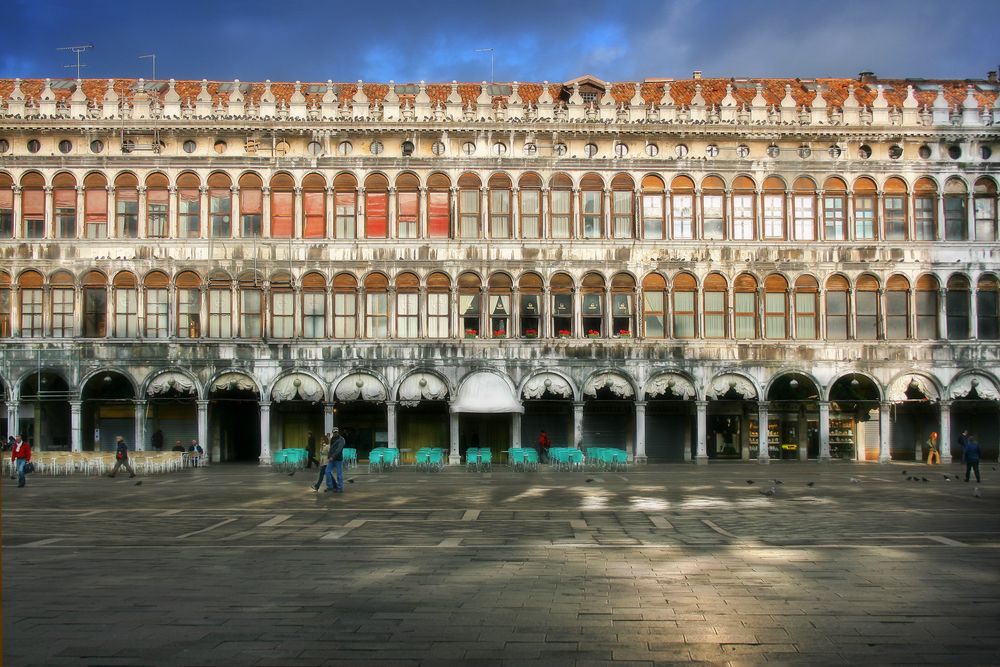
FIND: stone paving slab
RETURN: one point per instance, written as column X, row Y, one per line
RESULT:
column 239, row 565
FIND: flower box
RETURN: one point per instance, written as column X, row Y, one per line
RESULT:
column 563, row 333
column 591, row 333
column 499, row 334
column 471, row 333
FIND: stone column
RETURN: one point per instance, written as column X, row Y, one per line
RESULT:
column 454, row 457
column 883, row 432
column 577, row 423
column 640, row 432
column 575, row 225
column 607, row 216
column 939, row 227
column 515, row 213
column 297, row 220
column 172, row 210
column 329, row 417
column 141, row 220
column 235, row 216
column 942, row 318
column 204, row 219
column 329, row 221
column 544, row 226
column 944, row 442
column 422, row 215
column 265, row 433
column 392, row 226
column 881, row 327
column 265, row 212
column 763, row 439
column 515, row 430
column 80, row 213
column 112, row 214
column 48, row 222
column 970, row 217
column 76, row 437
column 973, row 311
column 140, row 425
column 824, row 431
column 701, row 446
column 390, row 413
column 203, row 428
column 484, row 214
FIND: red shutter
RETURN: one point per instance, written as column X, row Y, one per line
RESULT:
column 127, row 194
column 438, row 219
column 282, row 214
column 6, row 198
column 33, row 202
column 96, row 203
column 376, row 215
column 156, row 196
column 314, row 204
column 251, row 201
column 65, row 198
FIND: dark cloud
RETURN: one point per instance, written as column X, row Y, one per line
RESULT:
column 533, row 41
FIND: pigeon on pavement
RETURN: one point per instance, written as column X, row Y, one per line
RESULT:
column 138, row 483
column 749, row 481
column 903, row 473
column 810, row 483
column 589, row 480
column 291, row 474
column 777, row 481
column 924, row 479
column 350, row 481
column 977, row 493
column 855, row 480
column 769, row 493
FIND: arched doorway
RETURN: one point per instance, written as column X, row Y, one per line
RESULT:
column 670, row 418
column 361, row 413
column 296, row 411
column 854, row 418
column 608, row 412
column 108, row 410
column 731, row 429
column 420, row 414
column 43, row 413
column 548, row 406
column 914, row 400
column 975, row 408
column 489, row 412
column 171, row 411
column 234, row 419
column 793, row 414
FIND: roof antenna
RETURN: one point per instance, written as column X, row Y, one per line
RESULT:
column 491, row 51
column 153, row 56
column 77, row 50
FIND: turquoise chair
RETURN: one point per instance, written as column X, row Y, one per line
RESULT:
column 516, row 458
column 350, row 457
column 436, row 459
column 472, row 458
column 375, row 460
column 485, row 459
column 390, row 458
column 531, row 459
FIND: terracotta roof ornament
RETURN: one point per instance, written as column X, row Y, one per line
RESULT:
column 111, row 100
column 788, row 107
column 78, row 101
column 545, row 102
column 422, row 102
column 942, row 113
column 484, row 103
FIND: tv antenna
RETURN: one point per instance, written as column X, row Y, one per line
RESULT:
column 77, row 50
column 491, row 51
column 153, row 57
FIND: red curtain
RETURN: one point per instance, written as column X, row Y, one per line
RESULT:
column 377, row 215
column 438, row 215
column 282, row 214
column 314, row 205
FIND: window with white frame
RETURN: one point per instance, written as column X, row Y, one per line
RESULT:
column 560, row 214
column 531, row 213
column 345, row 307
column 805, row 217
column 220, row 313
column 774, row 216
column 282, row 314
column 621, row 205
column 683, row 216
column 743, row 217
column 62, row 312
column 376, row 315
column 500, row 214
column 652, row 216
column 157, row 308
column 407, row 314
column 188, row 313
column 31, row 313
column 251, row 307
column 126, row 312
column 438, row 314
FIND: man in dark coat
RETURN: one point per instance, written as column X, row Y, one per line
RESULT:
column 335, row 463
column 972, row 455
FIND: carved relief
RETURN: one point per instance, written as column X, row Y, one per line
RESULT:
column 547, row 383
column 234, row 382
column 422, row 387
column 172, row 381
column 297, row 385
column 912, row 384
column 727, row 382
column 615, row 383
column 668, row 384
column 360, row 387
column 975, row 385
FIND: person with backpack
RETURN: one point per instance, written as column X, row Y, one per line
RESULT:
column 121, row 458
column 972, row 456
column 335, row 463
column 543, row 446
column 21, row 456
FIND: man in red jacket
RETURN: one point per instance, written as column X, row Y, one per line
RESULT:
column 20, row 454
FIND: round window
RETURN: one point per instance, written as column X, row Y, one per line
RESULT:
column 834, row 151
column 314, row 148
column 499, row 148
column 559, row 149
column 773, row 151
column 590, row 150
column 924, row 151
column 469, row 148
column 220, row 146
column 864, row 151
column 96, row 146
column 531, row 149
column 895, row 152
column 621, row 150
column 189, row 146
column 985, row 152
column 954, row 152
column 65, row 146
column 4, row 145
column 742, row 151
column 712, row 150
column 407, row 147
column 652, row 150
column 437, row 148
column 128, row 146
column 345, row 148
column 34, row 146
column 282, row 147
column 805, row 151
column 681, row 150
column 377, row 148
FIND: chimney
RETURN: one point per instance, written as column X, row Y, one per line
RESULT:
column 991, row 76
column 866, row 77
column 696, row 74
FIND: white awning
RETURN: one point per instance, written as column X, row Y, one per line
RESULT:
column 486, row 393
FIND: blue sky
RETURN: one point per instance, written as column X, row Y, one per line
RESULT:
column 626, row 40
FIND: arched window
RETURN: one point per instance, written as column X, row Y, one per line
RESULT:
column 622, row 206
column 837, row 290
column 345, row 306
column 714, row 292
column 313, row 207
column 986, row 209
column 251, row 305
column 220, row 305
column 956, row 197
column 499, row 306
column 744, row 208
column 157, row 206
column 188, row 287
column 775, row 307
column 438, row 206
column 438, row 305
column 988, row 308
column 925, row 209
column 654, row 303
column 561, row 289
column 376, row 306
column 220, row 205
column 95, row 305
column 188, row 206
column 774, row 208
column 5, row 328
column 126, row 206
column 685, row 310
column 745, row 306
column 622, row 305
column 834, row 209
column 653, row 192
column 407, row 305
column 592, row 292
column 157, row 304
column 713, row 208
column 95, row 206
column 282, row 305
column 561, row 206
column 592, row 206
column 928, row 290
column 806, row 308
column 251, row 205
column 376, row 207
column 126, row 292
column 64, row 186
column 282, row 206
column 865, row 224
column 313, row 305
column 31, row 286
column 407, row 206
column 530, row 288
column 804, row 209
column 345, row 206
column 897, row 308
column 469, row 306
column 866, row 308
column 682, row 207
column 530, row 193
column 500, row 190
column 33, row 205
column 469, row 213
column 7, row 206
column 957, row 307
column 894, row 210
column 62, row 297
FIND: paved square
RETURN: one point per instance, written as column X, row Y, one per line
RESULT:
column 239, row 565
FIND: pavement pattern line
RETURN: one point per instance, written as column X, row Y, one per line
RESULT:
column 209, row 528
column 348, row 527
column 276, row 520
column 719, row 530
column 660, row 522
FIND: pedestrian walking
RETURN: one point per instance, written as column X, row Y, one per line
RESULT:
column 121, row 458
column 543, row 446
column 195, row 452
column 335, row 463
column 932, row 447
column 972, row 454
column 311, row 450
column 20, row 455
column 324, row 451
column 963, row 440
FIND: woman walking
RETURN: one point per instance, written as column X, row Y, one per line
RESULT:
column 932, row 447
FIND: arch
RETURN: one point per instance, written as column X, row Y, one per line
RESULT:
column 95, row 179
column 654, row 282
column 591, row 181
column 925, row 186
column 345, row 180
column 500, row 281
column 251, row 180
column 897, row 282
column 30, row 279
column 421, row 385
column 188, row 179
column 313, row 281
column 561, row 282
column 985, row 186
column 299, row 384
column 844, row 388
column 835, row 184
column 865, row 185
column 219, row 179
column 775, row 282
column 913, row 385
column 867, row 282
column 745, row 282
column 729, row 385
column 714, row 282
column 958, row 281
column 234, row 379
column 670, row 385
column 530, row 180
column 439, row 282
column 685, row 281
column 282, row 181
column 156, row 280
column 622, row 282
column 682, row 182
column 653, row 183
column 65, row 179
column 345, row 281
column 407, row 181
column 187, row 280
column 469, row 181
column 88, row 381
column 361, row 385
column 62, row 278
column 553, row 383
column 615, row 381
column 125, row 280
column 561, row 181
column 955, row 186
column 126, row 179
column 94, row 278
column 774, row 184
column 376, row 183
column 592, row 280
column 469, row 280
column 895, row 185
column 622, row 182
column 974, row 384
column 804, row 185
column 157, row 180
column 499, row 181
column 33, row 180
column 376, row 280
column 438, row 181
column 530, row 281
column 745, row 183
column 838, row 282
column 713, row 182
column 314, row 182
column 407, row 281
column 929, row 282
column 792, row 385
column 169, row 380
column 486, row 392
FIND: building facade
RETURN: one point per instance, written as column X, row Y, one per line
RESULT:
column 688, row 269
